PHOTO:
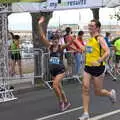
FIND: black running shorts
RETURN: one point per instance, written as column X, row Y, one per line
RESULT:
column 95, row 71
column 56, row 69
column 16, row 56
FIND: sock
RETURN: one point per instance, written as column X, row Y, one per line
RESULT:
column 86, row 113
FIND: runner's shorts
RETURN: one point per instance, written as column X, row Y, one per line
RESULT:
column 56, row 69
column 95, row 70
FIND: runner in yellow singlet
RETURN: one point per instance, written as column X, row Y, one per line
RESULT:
column 96, row 53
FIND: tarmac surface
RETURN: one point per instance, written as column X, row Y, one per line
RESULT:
column 41, row 104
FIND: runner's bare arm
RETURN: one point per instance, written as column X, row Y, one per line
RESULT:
column 42, row 34
column 104, row 47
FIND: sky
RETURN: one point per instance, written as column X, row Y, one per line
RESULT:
column 22, row 21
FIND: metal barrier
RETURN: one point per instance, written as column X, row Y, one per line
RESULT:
column 22, row 64
column 33, row 65
column 26, row 60
column 26, row 66
column 31, row 61
column 110, row 66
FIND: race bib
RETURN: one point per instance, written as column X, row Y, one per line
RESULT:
column 89, row 49
column 54, row 60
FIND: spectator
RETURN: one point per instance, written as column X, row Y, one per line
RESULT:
column 15, row 55
column 108, row 39
column 109, row 44
column 117, row 55
column 79, row 53
column 68, row 55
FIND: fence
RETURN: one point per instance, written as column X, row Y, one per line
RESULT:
column 110, row 66
column 25, row 73
column 27, row 67
column 22, row 63
column 35, row 64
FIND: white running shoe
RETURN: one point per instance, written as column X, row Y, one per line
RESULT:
column 113, row 97
column 84, row 117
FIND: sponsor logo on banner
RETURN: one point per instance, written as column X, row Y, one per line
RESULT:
column 67, row 3
column 52, row 5
column 70, row 4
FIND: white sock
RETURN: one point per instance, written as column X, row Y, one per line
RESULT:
column 86, row 113
column 111, row 93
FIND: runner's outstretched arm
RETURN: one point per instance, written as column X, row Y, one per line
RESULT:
column 42, row 34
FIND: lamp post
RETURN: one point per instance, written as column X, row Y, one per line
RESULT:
column 110, row 22
column 79, row 19
column 59, row 23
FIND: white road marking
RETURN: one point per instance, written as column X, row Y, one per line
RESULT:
column 99, row 117
column 61, row 113
column 105, row 115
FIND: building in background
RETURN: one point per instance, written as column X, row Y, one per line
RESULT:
column 27, row 35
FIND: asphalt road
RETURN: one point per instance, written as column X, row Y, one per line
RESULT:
column 41, row 104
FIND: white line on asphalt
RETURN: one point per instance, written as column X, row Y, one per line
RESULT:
column 105, row 115
column 61, row 113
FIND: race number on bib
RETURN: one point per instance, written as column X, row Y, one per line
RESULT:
column 54, row 60
column 89, row 49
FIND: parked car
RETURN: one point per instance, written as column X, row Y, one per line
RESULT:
column 27, row 50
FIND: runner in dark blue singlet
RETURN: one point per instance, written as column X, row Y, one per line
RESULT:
column 56, row 65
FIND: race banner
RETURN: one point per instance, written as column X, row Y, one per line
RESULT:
column 11, row 1
column 71, row 4
column 52, row 5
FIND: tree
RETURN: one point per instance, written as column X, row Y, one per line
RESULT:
column 36, row 40
column 117, row 15
column 95, row 12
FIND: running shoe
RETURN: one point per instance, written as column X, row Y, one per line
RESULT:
column 84, row 117
column 61, row 106
column 67, row 105
column 113, row 97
